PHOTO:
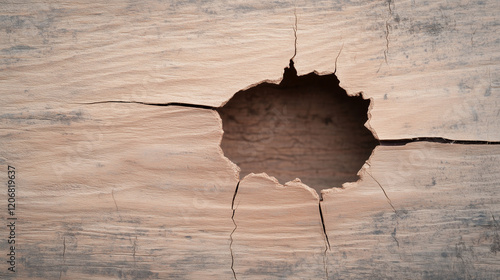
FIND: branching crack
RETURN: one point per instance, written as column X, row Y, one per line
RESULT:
column 234, row 229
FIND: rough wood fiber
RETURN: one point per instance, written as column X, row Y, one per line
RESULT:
column 130, row 191
column 414, row 58
column 439, row 220
column 268, row 242
column 130, row 196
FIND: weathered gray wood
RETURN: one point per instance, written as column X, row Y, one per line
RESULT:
column 420, row 211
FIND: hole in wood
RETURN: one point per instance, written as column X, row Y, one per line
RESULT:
column 306, row 127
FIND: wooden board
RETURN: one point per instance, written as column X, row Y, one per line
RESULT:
column 203, row 53
column 134, row 191
column 433, row 215
column 121, row 209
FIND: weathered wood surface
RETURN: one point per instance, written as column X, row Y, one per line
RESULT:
column 436, row 218
column 438, row 59
column 267, row 242
column 155, row 205
column 131, row 191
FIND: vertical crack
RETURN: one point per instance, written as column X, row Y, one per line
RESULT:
column 393, row 234
column 327, row 242
column 386, row 196
column 134, row 249
column 323, row 224
column 64, row 248
column 387, row 27
column 386, row 40
column 295, row 33
column 335, row 71
column 495, row 245
column 114, row 200
column 116, row 205
column 234, row 229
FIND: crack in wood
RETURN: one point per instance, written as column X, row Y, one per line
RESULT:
column 180, row 104
column 116, row 205
column 393, row 234
column 386, row 196
column 323, row 225
column 327, row 241
column 402, row 142
column 234, row 229
column 63, row 256
column 64, row 248
column 295, row 33
column 336, row 58
column 387, row 26
column 134, row 249
column 290, row 79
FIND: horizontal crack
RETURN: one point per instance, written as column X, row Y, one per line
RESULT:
column 404, row 141
column 154, row 104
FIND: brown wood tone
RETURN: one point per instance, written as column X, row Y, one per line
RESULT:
column 108, row 185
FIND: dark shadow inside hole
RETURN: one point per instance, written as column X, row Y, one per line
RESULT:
column 305, row 127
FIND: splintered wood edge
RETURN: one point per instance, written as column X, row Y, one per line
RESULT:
column 294, row 184
column 236, row 169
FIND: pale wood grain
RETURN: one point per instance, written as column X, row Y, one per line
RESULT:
column 278, row 231
column 131, row 191
column 432, row 61
column 444, row 224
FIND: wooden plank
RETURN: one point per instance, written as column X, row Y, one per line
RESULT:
column 142, row 190
column 278, row 231
column 413, row 58
column 105, row 195
column 439, row 219
column 125, row 191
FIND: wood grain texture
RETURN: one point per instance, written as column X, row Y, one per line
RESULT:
column 439, row 219
column 122, row 192
column 436, row 59
column 132, row 191
column 278, row 231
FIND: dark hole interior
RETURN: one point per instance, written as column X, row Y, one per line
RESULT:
column 306, row 127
